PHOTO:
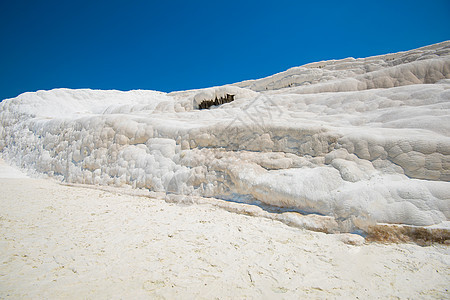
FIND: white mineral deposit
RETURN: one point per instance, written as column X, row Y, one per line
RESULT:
column 280, row 187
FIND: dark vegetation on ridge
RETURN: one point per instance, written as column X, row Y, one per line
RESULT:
column 206, row 104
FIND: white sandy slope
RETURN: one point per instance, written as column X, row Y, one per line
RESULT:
column 80, row 243
column 358, row 140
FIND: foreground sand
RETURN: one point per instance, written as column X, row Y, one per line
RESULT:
column 71, row 242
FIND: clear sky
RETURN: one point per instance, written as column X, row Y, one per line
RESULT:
column 178, row 45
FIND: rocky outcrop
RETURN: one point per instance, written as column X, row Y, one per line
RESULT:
column 339, row 146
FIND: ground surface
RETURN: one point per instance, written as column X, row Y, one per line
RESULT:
column 71, row 242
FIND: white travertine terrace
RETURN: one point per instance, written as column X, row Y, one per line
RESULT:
column 353, row 139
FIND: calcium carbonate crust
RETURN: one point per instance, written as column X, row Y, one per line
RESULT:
column 353, row 139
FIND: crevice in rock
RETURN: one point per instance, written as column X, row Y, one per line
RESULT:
column 206, row 104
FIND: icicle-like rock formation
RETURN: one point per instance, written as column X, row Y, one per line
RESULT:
column 359, row 140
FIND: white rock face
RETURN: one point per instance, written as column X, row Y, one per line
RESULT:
column 355, row 139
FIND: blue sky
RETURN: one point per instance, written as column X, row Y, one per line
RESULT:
column 178, row 45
